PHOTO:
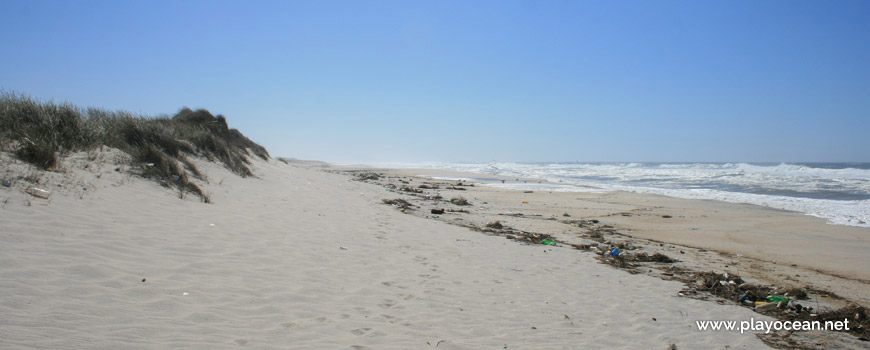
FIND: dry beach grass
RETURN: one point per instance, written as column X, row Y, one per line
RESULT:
column 41, row 132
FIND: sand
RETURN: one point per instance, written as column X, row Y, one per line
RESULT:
column 775, row 246
column 303, row 259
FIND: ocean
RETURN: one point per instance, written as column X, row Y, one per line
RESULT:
column 838, row 192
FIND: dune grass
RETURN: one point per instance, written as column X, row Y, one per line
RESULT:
column 42, row 132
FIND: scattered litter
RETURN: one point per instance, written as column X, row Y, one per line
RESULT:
column 38, row 192
column 410, row 189
column 185, row 294
column 7, row 183
column 437, row 211
column 657, row 257
column 342, row 248
column 765, row 307
column 777, row 299
column 459, row 201
column 367, row 176
column 747, row 285
column 401, row 203
column 548, row 242
column 495, row 225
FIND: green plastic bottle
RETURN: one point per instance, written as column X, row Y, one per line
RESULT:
column 548, row 242
column 777, row 299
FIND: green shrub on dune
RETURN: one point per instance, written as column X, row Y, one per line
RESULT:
column 41, row 132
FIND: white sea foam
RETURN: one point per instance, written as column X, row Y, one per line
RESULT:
column 837, row 194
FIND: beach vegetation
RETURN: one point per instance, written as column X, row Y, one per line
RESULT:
column 40, row 133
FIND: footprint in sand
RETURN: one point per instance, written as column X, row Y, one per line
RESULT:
column 407, row 296
column 367, row 332
column 388, row 303
column 360, row 331
column 391, row 319
column 428, row 276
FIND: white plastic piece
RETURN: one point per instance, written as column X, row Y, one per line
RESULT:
column 38, row 192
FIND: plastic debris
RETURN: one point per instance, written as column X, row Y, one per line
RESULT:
column 765, row 307
column 38, row 192
column 548, row 242
column 777, row 299
column 747, row 285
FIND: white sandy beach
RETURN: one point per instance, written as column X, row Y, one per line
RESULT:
column 302, row 259
column 775, row 246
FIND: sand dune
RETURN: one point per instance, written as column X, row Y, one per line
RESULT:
column 302, row 259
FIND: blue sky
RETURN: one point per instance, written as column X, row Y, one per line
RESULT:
column 408, row 81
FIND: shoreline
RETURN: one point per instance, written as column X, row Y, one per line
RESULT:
column 844, row 211
column 303, row 255
column 743, row 240
column 640, row 215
